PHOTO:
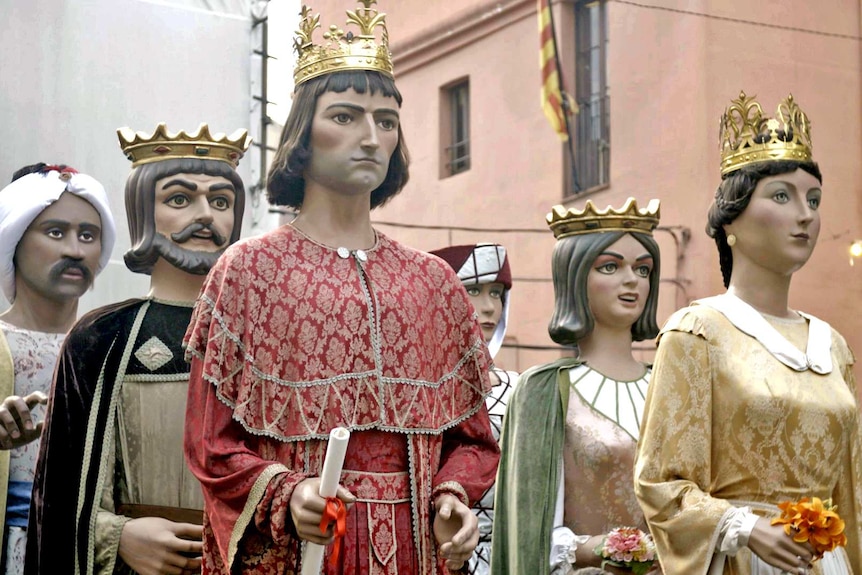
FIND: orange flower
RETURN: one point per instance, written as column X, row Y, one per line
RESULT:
column 814, row 521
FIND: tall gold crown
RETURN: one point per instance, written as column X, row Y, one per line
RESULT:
column 142, row 148
column 746, row 136
column 629, row 218
column 342, row 51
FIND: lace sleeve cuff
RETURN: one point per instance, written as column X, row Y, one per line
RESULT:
column 564, row 544
column 735, row 530
column 109, row 528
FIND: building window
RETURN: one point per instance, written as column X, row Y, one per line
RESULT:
column 455, row 127
column 593, row 139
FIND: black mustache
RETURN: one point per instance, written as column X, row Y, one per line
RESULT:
column 186, row 234
column 69, row 264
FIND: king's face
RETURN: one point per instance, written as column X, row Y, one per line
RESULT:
column 353, row 136
column 195, row 210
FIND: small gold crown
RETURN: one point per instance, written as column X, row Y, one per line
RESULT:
column 629, row 218
column 141, row 148
column 747, row 137
column 342, row 51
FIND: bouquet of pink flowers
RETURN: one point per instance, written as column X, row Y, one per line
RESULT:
column 628, row 547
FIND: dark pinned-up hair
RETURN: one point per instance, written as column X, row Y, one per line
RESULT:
column 734, row 194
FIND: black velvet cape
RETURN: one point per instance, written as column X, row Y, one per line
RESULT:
column 79, row 425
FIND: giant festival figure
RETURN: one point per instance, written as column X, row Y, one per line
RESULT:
column 112, row 493
column 326, row 322
column 56, row 235
column 484, row 270
column 571, row 428
column 752, row 403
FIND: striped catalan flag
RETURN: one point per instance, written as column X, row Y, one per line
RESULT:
column 552, row 94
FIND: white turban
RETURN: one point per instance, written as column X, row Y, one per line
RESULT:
column 24, row 199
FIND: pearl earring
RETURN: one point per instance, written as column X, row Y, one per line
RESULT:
column 731, row 240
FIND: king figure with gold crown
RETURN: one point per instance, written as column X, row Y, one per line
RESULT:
column 112, row 492
column 324, row 323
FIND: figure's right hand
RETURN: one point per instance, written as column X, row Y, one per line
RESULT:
column 156, row 546
column 774, row 546
column 17, row 427
column 307, row 506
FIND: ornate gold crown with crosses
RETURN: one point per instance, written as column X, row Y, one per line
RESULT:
column 142, row 148
column 342, row 51
column 747, row 137
column 629, row 218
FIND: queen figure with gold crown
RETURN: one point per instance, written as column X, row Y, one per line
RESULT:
column 564, row 483
column 327, row 323
column 750, row 457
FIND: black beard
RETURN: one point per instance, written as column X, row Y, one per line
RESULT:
column 191, row 261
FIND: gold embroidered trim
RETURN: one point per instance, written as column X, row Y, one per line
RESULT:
column 157, row 378
column 108, row 437
column 254, row 497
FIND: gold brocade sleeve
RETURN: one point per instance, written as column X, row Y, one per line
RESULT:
column 673, row 467
column 848, row 491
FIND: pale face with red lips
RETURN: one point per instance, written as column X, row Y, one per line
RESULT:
column 487, row 300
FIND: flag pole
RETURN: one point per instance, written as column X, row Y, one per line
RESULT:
column 564, row 103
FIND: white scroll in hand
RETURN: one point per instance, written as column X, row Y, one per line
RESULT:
column 312, row 556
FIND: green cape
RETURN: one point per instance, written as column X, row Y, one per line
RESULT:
column 528, row 477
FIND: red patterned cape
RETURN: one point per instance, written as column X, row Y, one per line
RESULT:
column 288, row 340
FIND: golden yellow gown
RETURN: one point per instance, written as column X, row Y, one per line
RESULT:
column 727, row 424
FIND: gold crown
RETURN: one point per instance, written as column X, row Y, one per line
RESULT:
column 141, row 148
column 629, row 218
column 342, row 51
column 747, row 137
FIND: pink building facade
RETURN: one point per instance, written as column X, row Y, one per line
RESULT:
column 651, row 78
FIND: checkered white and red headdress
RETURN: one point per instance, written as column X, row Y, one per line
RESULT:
column 482, row 264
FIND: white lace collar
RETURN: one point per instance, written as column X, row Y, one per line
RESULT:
column 818, row 353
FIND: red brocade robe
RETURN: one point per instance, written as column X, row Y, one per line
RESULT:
column 290, row 339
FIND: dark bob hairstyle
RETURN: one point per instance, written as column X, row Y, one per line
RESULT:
column 572, row 261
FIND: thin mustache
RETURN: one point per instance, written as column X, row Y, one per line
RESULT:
column 66, row 264
column 185, row 235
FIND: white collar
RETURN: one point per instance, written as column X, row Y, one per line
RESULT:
column 818, row 353
column 619, row 401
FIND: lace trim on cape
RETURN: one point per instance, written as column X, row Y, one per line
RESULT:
column 399, row 405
